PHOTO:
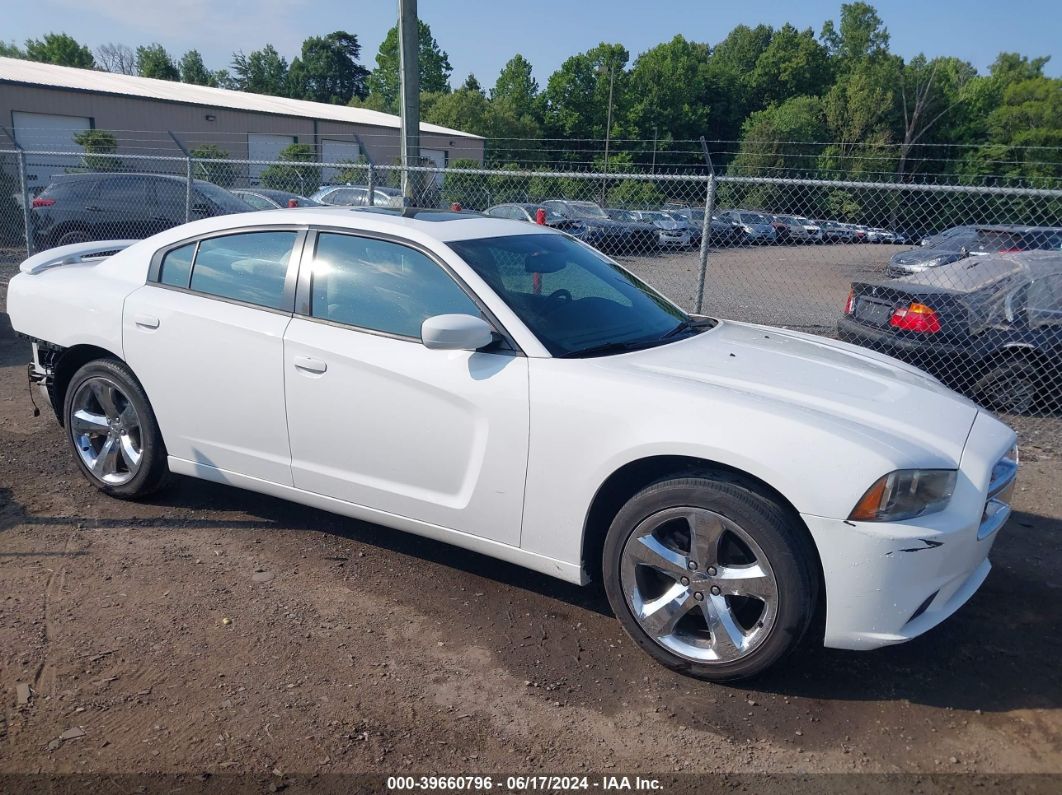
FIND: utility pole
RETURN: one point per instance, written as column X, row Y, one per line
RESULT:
column 409, row 52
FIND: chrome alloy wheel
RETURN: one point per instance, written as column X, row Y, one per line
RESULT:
column 106, row 431
column 699, row 585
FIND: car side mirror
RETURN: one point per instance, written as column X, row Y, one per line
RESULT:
column 456, row 333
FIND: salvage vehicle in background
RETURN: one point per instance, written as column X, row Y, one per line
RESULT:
column 75, row 208
column 498, row 385
column 672, row 232
column 271, row 199
column 975, row 241
column 753, row 227
column 990, row 326
column 358, row 196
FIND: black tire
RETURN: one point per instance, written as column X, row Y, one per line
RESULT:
column 73, row 236
column 152, row 471
column 781, row 537
column 1010, row 386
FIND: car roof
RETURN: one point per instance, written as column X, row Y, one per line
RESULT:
column 410, row 222
column 973, row 273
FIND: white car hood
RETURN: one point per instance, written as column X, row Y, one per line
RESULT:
column 815, row 374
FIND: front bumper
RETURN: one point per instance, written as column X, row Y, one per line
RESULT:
column 888, row 582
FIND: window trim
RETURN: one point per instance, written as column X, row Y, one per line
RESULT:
column 290, row 275
column 304, row 287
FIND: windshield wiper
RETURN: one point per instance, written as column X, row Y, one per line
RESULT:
column 689, row 324
column 609, row 347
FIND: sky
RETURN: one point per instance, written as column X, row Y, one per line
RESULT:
column 481, row 35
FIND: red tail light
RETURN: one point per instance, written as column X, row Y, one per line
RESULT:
column 41, row 202
column 849, row 305
column 916, row 317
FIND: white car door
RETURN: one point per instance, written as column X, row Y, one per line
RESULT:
column 379, row 420
column 205, row 337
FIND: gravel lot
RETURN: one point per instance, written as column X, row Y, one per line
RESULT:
column 214, row 631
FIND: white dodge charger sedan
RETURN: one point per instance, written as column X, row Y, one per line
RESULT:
column 508, row 389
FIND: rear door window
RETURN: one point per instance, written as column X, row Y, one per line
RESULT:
column 176, row 269
column 249, row 267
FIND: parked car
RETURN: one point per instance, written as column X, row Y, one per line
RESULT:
column 672, row 232
column 837, row 232
column 602, row 231
column 528, row 212
column 937, row 239
column 269, row 199
column 799, row 229
column 875, row 234
column 502, row 387
column 720, row 233
column 76, row 208
column 753, row 227
column 990, row 326
column 358, row 196
column 975, row 241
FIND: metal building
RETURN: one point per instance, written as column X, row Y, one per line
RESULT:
column 44, row 106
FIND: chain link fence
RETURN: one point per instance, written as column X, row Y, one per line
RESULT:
column 963, row 281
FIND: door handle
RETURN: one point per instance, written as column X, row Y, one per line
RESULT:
column 146, row 321
column 310, row 365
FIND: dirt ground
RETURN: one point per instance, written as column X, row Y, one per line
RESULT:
column 214, row 631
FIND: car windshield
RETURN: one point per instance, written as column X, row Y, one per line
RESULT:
column 572, row 298
column 753, row 218
column 587, row 210
column 221, row 197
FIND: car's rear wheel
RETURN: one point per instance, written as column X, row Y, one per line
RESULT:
column 113, row 431
column 73, row 236
column 1010, row 386
column 710, row 577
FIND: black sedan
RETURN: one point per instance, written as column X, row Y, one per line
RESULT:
column 990, row 326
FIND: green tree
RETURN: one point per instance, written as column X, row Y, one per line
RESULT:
column 729, row 79
column 299, row 173
column 861, row 114
column 99, row 146
column 434, row 67
column 472, row 84
column 465, row 109
column 60, row 48
column 770, row 141
column 577, row 94
column 516, row 86
column 793, row 64
column 670, row 92
column 264, row 71
column 1025, row 132
column 931, row 94
column 8, row 49
column 216, row 167
column 193, row 70
column 327, row 70
column 861, row 35
column 154, row 61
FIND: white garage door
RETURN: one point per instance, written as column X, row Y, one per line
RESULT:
column 337, row 152
column 265, row 146
column 49, row 133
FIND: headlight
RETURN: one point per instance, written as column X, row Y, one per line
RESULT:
column 905, row 494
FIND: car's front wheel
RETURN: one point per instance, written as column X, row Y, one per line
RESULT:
column 710, row 577
column 113, row 431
